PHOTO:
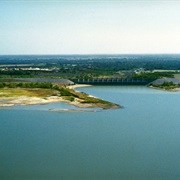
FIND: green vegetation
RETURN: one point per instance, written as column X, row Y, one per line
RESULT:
column 177, row 75
column 69, row 98
column 166, row 85
column 46, row 85
column 39, row 89
column 82, row 67
column 154, row 75
column 11, row 92
column 40, row 85
column 95, row 100
column 89, row 66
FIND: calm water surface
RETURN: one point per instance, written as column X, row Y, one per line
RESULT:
column 140, row 141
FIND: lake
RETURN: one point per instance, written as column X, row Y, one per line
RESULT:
column 139, row 141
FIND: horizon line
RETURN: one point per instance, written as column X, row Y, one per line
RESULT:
column 91, row 54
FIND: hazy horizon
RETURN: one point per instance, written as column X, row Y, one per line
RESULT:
column 115, row 54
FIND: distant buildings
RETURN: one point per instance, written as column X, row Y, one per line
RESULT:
column 28, row 69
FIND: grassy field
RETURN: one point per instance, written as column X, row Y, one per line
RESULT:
column 9, row 92
column 177, row 75
column 164, row 70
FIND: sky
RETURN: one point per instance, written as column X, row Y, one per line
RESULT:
column 89, row 27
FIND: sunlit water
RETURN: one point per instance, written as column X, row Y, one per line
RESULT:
column 140, row 141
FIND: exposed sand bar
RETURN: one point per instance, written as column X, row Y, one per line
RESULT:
column 30, row 96
column 25, row 100
column 164, row 89
column 78, row 86
column 71, row 110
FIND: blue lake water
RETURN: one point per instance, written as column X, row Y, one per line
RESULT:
column 140, row 141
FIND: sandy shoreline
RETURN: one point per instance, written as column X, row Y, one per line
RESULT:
column 26, row 100
column 78, row 86
column 163, row 89
column 71, row 110
column 78, row 99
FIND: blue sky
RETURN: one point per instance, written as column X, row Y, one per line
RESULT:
column 89, row 27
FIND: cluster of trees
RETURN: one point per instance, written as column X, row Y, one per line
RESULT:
column 166, row 85
column 18, row 74
column 154, row 75
column 46, row 85
column 109, row 67
column 63, row 91
column 92, row 66
column 15, row 72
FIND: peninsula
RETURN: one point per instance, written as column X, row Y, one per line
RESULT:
column 168, row 84
column 27, row 93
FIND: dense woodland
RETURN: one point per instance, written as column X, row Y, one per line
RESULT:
column 90, row 66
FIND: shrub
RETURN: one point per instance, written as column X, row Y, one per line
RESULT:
column 168, row 83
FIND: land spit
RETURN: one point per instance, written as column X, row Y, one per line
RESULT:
column 28, row 96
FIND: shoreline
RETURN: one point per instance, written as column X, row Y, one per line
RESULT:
column 163, row 89
column 25, row 101
column 80, row 99
column 78, row 86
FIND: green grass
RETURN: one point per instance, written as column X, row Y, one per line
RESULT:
column 177, row 75
column 9, row 92
column 69, row 98
column 94, row 101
